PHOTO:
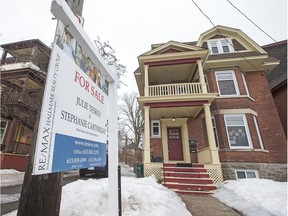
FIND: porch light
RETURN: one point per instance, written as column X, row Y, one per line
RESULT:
column 173, row 119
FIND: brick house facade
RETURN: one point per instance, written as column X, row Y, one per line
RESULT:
column 23, row 71
column 209, row 102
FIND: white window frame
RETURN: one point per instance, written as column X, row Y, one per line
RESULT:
column 233, row 79
column 219, row 45
column 215, row 131
column 152, row 127
column 258, row 132
column 245, row 84
column 246, row 171
column 3, row 135
column 250, row 145
column 206, row 82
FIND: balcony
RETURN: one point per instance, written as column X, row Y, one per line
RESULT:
column 176, row 89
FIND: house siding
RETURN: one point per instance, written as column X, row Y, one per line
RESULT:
column 280, row 98
column 156, row 147
column 270, row 127
column 196, row 127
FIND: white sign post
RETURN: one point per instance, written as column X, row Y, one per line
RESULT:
column 79, row 110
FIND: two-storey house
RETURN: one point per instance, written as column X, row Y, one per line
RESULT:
column 207, row 106
column 23, row 71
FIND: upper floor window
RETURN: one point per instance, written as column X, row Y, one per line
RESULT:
column 220, row 45
column 237, row 131
column 215, row 132
column 155, row 128
column 206, row 82
column 227, row 83
column 3, row 129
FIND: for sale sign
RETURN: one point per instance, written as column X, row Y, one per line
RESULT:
column 73, row 124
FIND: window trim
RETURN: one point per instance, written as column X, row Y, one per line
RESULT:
column 250, row 144
column 245, row 84
column 207, row 83
column 258, row 132
column 234, row 79
column 215, row 131
column 159, row 127
column 4, row 132
column 219, row 45
column 245, row 171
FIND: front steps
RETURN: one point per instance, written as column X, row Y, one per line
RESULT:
column 188, row 179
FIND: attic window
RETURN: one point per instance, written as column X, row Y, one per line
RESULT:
column 221, row 45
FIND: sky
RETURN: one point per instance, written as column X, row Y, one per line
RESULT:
column 90, row 197
column 131, row 26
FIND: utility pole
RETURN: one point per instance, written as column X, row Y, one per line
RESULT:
column 41, row 194
column 76, row 6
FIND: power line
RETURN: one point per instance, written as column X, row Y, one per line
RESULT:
column 250, row 20
column 223, row 35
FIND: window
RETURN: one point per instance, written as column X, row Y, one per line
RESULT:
column 237, row 131
column 155, row 128
column 206, row 82
column 218, row 46
column 215, row 132
column 245, row 84
column 258, row 132
column 3, row 129
column 227, row 83
column 245, row 174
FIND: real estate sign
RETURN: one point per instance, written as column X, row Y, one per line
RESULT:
column 73, row 124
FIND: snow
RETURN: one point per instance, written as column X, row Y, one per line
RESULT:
column 254, row 196
column 10, row 177
column 145, row 197
column 142, row 196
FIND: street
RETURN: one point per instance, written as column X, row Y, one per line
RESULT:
column 10, row 190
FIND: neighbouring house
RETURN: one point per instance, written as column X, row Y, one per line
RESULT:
column 23, row 71
column 209, row 113
column 277, row 79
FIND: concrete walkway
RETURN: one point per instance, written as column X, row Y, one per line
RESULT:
column 207, row 206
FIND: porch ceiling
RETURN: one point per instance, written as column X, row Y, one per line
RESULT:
column 171, row 73
column 176, row 112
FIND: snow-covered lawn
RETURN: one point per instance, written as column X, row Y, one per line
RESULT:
column 255, row 197
column 145, row 197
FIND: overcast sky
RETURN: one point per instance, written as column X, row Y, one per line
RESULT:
column 131, row 26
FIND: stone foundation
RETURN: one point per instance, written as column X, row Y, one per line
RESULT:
column 276, row 172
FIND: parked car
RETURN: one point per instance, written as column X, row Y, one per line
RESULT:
column 99, row 170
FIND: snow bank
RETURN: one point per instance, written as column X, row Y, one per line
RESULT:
column 255, row 196
column 11, row 177
column 140, row 197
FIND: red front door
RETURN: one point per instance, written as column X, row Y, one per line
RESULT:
column 175, row 149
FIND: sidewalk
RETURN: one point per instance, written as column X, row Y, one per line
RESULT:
column 207, row 206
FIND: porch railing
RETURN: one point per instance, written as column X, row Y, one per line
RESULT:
column 18, row 148
column 175, row 89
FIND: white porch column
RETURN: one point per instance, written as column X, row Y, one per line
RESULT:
column 201, row 76
column 210, row 134
column 146, row 81
column 146, row 151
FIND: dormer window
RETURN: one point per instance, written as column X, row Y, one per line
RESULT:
column 220, row 45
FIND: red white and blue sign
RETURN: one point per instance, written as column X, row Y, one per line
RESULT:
column 73, row 125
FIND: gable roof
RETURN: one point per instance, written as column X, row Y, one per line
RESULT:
column 232, row 33
column 171, row 46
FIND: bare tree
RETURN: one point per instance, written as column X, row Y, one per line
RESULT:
column 131, row 121
column 108, row 54
column 132, row 116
